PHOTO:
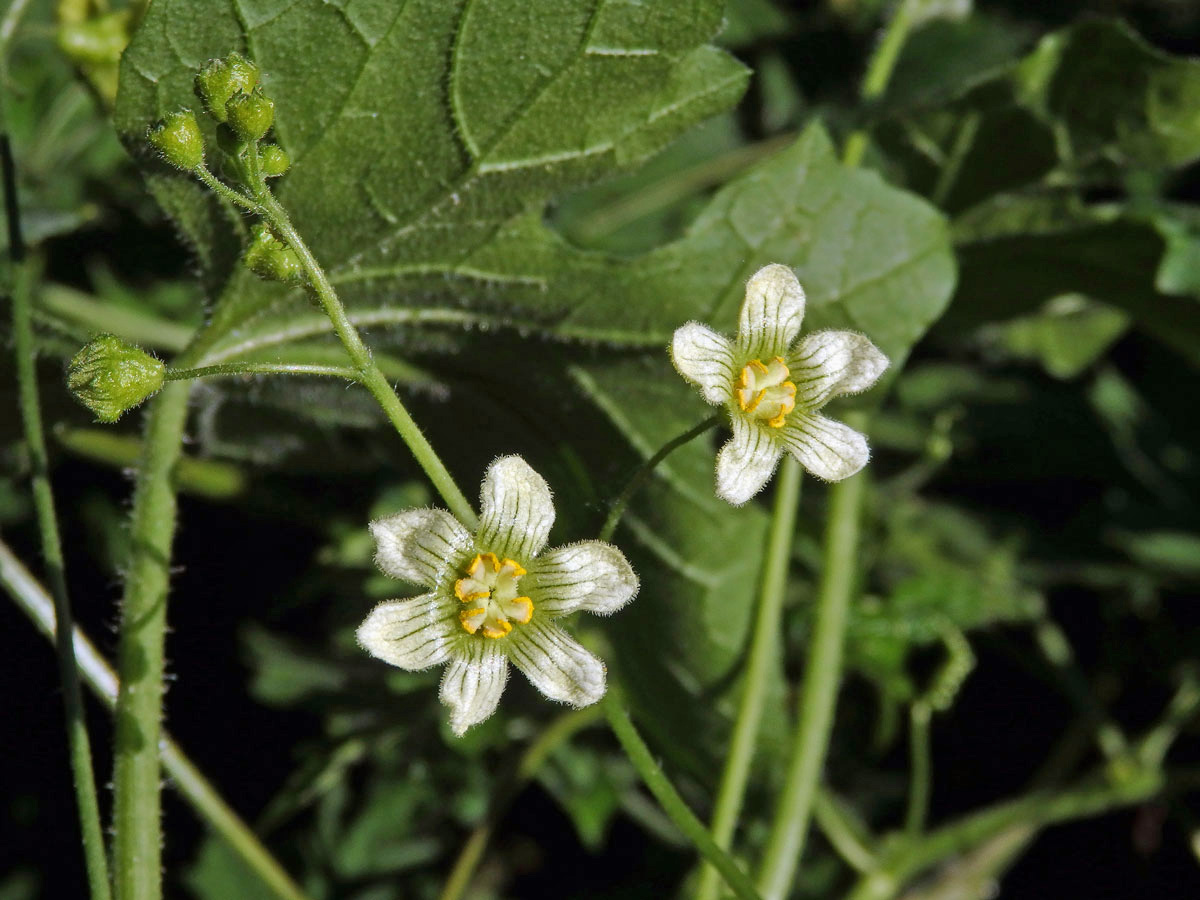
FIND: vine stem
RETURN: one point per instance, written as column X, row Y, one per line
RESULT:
column 919, row 753
column 644, row 471
column 187, row 779
column 229, row 370
column 668, row 798
column 879, row 72
column 764, row 648
column 822, row 676
column 137, row 808
column 369, row 373
column 79, row 746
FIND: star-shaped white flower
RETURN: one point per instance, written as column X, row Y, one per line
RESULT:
column 494, row 597
column 773, row 386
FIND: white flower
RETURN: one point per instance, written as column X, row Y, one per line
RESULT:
column 773, row 386
column 494, row 597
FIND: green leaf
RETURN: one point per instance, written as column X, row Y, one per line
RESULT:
column 1066, row 337
column 427, row 140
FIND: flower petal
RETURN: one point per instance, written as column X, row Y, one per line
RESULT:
column 517, row 510
column 828, row 449
column 590, row 575
column 413, row 634
column 828, row 363
column 705, row 358
column 556, row 664
column 746, row 462
column 419, row 545
column 771, row 313
column 473, row 684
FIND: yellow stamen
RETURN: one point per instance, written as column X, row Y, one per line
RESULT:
column 763, row 391
column 499, row 630
column 523, row 603
column 470, row 618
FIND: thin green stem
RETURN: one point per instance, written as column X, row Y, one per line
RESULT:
column 137, row 846
column 78, row 744
column 555, row 735
column 369, row 372
column 919, row 759
column 187, row 779
column 668, row 798
column 846, row 835
column 221, row 189
column 226, row 370
column 964, row 139
column 879, row 72
column 645, row 469
column 764, row 650
column 822, row 676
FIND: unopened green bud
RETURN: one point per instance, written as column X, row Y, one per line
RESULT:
column 179, row 140
column 269, row 258
column 220, row 79
column 250, row 115
column 110, row 376
column 274, row 160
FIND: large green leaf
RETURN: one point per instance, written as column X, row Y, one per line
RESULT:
column 426, row 138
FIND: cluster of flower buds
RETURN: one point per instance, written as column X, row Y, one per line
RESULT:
column 111, row 377
column 270, row 258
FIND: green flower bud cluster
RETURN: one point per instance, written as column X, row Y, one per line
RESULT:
column 110, row 376
column 222, row 79
column 270, row 258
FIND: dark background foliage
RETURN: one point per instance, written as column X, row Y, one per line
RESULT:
column 1038, row 455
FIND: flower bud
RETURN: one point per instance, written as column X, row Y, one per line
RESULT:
column 110, row 376
column 269, row 258
column 250, row 115
column 222, row 79
column 274, row 160
column 179, row 140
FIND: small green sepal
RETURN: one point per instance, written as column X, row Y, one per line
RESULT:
column 110, row 376
column 221, row 79
column 250, row 115
column 179, row 140
column 273, row 160
column 270, row 258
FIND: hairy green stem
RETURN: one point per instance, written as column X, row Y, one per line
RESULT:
column 879, row 72
column 187, row 779
column 645, row 469
column 822, row 676
column 137, row 845
column 227, row 370
column 668, row 798
column 554, row 736
column 78, row 744
column 369, row 372
column 919, row 759
column 764, row 650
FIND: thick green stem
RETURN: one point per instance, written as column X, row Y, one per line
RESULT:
column 822, row 676
column 645, row 469
column 78, row 744
column 137, row 847
column 764, row 649
column 668, row 798
column 186, row 778
column 369, row 372
column 554, row 736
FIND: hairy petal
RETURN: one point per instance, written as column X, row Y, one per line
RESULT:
column 746, row 462
column 589, row 575
column 705, row 358
column 473, row 684
column 828, row 363
column 419, row 545
column 517, row 510
column 556, row 664
column 828, row 449
column 413, row 634
column 771, row 313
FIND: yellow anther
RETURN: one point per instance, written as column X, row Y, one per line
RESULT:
column 498, row 629
column 763, row 391
column 471, row 618
column 489, row 588
column 523, row 607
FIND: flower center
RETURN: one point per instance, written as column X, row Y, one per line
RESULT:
column 488, row 591
column 763, row 391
